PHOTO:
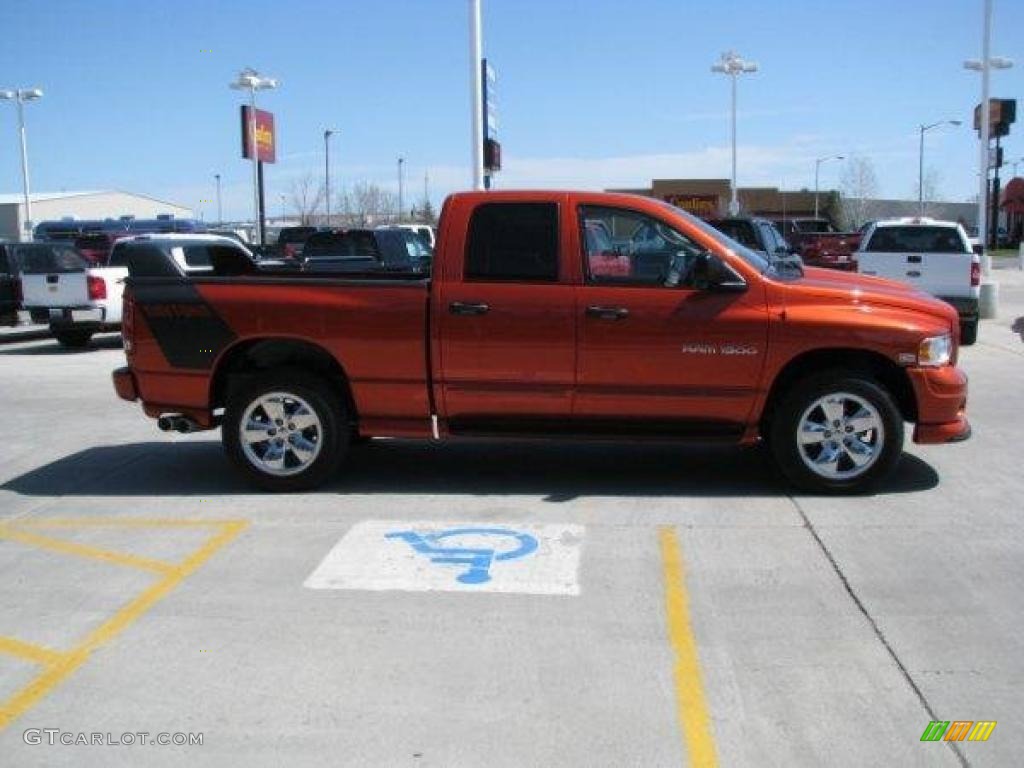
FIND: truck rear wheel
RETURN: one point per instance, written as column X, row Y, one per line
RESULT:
column 285, row 430
column 73, row 339
column 836, row 432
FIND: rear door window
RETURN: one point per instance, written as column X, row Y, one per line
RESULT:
column 916, row 239
column 513, row 242
column 50, row 259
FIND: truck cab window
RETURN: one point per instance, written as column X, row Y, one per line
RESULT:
column 513, row 241
column 624, row 246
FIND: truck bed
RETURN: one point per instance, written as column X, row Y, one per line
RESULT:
column 377, row 324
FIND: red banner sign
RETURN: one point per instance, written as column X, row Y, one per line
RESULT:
column 266, row 139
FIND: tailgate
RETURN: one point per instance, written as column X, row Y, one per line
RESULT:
column 940, row 274
column 58, row 289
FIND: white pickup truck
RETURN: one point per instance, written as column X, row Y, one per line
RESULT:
column 935, row 256
column 79, row 300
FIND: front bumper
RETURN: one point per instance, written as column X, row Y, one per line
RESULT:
column 941, row 395
column 124, row 384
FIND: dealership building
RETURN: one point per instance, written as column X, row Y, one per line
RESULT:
column 709, row 199
column 50, row 206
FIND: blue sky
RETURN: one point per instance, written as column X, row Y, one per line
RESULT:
column 591, row 94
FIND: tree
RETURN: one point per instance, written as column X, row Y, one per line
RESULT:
column 859, row 185
column 368, row 203
column 930, row 189
column 307, row 195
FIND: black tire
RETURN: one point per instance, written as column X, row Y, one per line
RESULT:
column 788, row 453
column 73, row 339
column 332, row 435
column 968, row 332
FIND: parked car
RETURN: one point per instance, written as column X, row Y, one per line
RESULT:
column 10, row 284
column 514, row 336
column 819, row 243
column 934, row 256
column 425, row 231
column 759, row 235
column 292, row 240
column 392, row 249
column 79, row 300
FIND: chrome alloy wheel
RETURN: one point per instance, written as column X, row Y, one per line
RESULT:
column 840, row 436
column 280, row 434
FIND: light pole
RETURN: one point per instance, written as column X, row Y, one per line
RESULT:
column 731, row 64
column 476, row 88
column 327, row 171
column 920, row 162
column 220, row 212
column 817, row 169
column 401, row 189
column 985, row 64
column 20, row 96
column 283, row 198
column 250, row 80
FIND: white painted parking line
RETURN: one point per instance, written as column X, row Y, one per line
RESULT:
column 426, row 556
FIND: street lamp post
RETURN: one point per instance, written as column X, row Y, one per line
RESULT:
column 984, row 65
column 20, row 96
column 476, row 101
column 731, row 64
column 817, row 169
column 250, row 80
column 401, row 189
column 220, row 212
column 920, row 161
column 327, row 172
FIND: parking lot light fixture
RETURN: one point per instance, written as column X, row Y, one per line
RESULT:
column 817, row 169
column 19, row 97
column 733, row 65
column 250, row 80
column 920, row 161
column 327, row 172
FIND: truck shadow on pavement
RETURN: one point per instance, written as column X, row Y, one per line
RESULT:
column 560, row 471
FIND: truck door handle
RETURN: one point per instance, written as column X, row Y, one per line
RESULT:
column 608, row 313
column 468, row 308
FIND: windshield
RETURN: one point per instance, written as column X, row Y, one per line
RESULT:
column 753, row 258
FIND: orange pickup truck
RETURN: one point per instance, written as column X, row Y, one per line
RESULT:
column 522, row 330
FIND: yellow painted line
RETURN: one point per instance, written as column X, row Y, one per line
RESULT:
column 692, row 708
column 37, row 654
column 61, row 668
column 84, row 550
column 115, row 522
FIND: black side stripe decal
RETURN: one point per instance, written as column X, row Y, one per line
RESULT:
column 190, row 333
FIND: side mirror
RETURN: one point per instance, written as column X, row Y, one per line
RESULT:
column 710, row 274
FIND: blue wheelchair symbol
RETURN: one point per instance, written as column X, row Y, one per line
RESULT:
column 478, row 560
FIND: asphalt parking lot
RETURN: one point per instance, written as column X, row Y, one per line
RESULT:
column 679, row 607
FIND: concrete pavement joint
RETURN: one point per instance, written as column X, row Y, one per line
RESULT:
column 874, row 626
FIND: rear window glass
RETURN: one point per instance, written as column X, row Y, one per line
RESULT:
column 740, row 231
column 291, row 235
column 513, row 241
column 342, row 245
column 49, row 259
column 92, row 241
column 916, row 240
column 813, row 225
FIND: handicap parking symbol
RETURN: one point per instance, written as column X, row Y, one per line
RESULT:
column 508, row 545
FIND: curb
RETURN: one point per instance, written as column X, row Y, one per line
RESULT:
column 27, row 334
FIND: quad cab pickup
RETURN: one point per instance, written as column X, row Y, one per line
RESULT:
column 521, row 332
column 933, row 256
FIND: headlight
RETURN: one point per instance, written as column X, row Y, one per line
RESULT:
column 936, row 351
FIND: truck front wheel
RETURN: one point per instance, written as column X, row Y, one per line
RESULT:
column 968, row 332
column 836, row 432
column 285, row 430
